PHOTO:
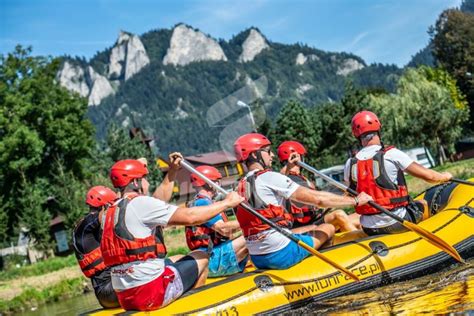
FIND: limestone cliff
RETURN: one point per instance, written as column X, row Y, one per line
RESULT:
column 301, row 59
column 252, row 46
column 188, row 45
column 72, row 77
column 101, row 88
column 127, row 57
column 348, row 66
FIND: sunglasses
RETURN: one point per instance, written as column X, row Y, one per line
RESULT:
column 268, row 149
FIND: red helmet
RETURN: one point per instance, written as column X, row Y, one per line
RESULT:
column 286, row 148
column 124, row 171
column 210, row 172
column 364, row 122
column 99, row 196
column 248, row 143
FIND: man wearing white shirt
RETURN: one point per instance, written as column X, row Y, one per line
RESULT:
column 141, row 276
column 267, row 191
column 379, row 171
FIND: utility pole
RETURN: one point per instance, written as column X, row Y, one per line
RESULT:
column 245, row 105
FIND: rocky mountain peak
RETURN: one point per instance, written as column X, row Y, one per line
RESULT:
column 123, row 37
column 127, row 57
column 252, row 46
column 301, row 59
column 348, row 66
column 72, row 77
column 101, row 87
column 85, row 81
column 188, row 45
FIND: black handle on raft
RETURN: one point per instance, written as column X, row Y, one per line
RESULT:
column 462, row 181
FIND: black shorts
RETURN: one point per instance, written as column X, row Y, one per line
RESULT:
column 102, row 284
column 413, row 214
column 188, row 270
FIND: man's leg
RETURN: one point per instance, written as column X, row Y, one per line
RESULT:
column 340, row 220
column 322, row 234
column 175, row 258
column 202, row 260
column 355, row 220
column 304, row 229
column 240, row 248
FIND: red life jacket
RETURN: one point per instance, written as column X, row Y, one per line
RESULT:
column 91, row 261
column 202, row 236
column 369, row 176
column 250, row 224
column 302, row 213
column 119, row 246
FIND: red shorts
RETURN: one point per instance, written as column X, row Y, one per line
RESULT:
column 149, row 296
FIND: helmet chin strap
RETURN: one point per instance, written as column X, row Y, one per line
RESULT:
column 258, row 159
column 135, row 187
column 208, row 188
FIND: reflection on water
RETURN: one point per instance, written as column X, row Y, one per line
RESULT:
column 71, row 306
column 445, row 292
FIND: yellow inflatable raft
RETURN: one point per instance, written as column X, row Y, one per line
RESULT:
column 376, row 260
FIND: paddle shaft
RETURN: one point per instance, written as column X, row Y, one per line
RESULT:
column 428, row 236
column 285, row 233
column 247, row 207
column 345, row 188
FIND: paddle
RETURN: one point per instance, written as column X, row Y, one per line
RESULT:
column 462, row 181
column 285, row 233
column 428, row 236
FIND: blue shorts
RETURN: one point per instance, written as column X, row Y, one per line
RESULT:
column 284, row 258
column 223, row 260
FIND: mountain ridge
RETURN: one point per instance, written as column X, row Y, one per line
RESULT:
column 176, row 92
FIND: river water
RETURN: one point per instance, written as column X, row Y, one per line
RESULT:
column 449, row 291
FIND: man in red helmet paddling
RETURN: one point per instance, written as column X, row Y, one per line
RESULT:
column 379, row 171
column 86, row 244
column 141, row 276
column 87, row 234
column 226, row 256
column 266, row 191
column 289, row 152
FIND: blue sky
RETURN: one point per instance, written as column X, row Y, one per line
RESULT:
column 385, row 31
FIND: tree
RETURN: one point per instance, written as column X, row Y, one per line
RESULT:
column 467, row 6
column 34, row 216
column 121, row 146
column 70, row 194
column 453, row 48
column 335, row 119
column 294, row 123
column 40, row 123
column 422, row 112
column 3, row 225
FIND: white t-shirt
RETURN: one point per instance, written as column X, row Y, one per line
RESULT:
column 394, row 160
column 272, row 188
column 143, row 214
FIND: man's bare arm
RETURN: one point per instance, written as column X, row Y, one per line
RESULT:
column 191, row 216
column 226, row 228
column 432, row 176
column 326, row 199
column 164, row 191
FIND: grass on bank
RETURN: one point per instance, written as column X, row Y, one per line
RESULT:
column 39, row 268
column 463, row 169
column 32, row 297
